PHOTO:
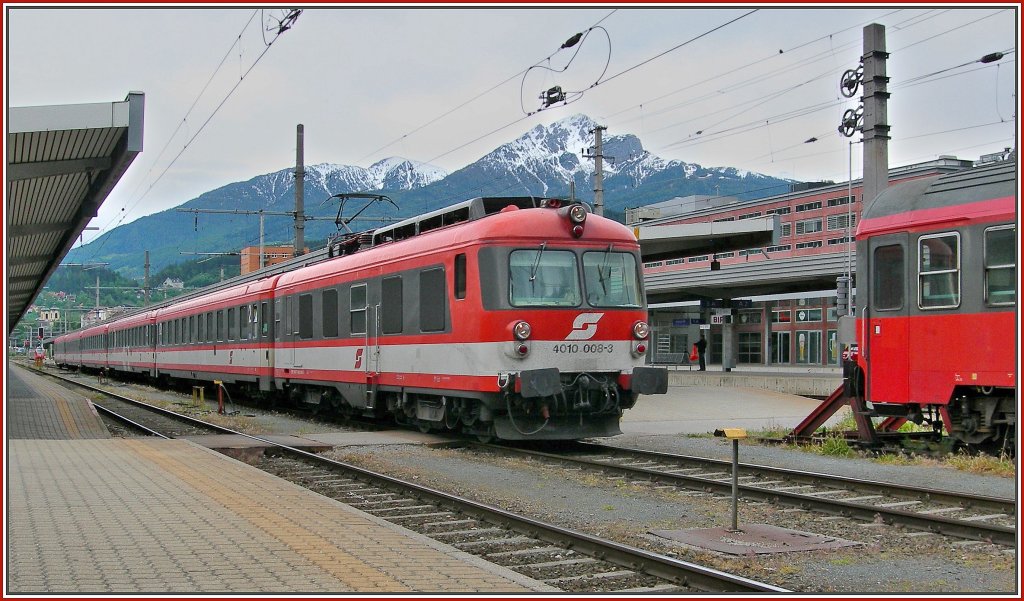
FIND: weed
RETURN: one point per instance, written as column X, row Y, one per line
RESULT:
column 835, row 446
column 983, row 464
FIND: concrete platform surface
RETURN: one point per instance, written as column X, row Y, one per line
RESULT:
column 703, row 409
column 39, row 408
column 168, row 516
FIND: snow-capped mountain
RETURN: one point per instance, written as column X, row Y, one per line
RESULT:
column 541, row 162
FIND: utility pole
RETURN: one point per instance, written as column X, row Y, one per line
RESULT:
column 145, row 281
column 876, row 127
column 598, row 156
column 300, row 180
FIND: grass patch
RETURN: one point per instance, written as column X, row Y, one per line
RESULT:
column 983, row 464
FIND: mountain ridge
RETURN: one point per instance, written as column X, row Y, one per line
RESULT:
column 547, row 160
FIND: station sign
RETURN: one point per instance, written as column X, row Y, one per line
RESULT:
column 717, row 303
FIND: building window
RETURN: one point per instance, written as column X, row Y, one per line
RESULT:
column 808, row 226
column 835, row 241
column 777, row 211
column 888, row 278
column 749, row 317
column 939, row 271
column 781, row 247
column 750, row 347
column 723, row 219
column 781, row 316
column 780, row 347
column 838, row 202
column 750, row 215
column 357, row 309
column 787, row 229
column 654, row 264
column 841, row 222
column 811, row 244
column 810, row 206
column 807, row 315
column 1000, row 265
column 808, row 346
column 697, row 259
column 723, row 255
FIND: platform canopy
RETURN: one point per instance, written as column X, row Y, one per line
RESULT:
column 62, row 162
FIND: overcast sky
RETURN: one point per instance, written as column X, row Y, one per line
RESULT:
column 432, row 84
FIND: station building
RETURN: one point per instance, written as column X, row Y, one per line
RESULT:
column 775, row 305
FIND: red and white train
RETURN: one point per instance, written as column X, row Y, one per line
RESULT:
column 937, row 304
column 508, row 318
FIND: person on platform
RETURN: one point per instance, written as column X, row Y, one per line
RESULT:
column 702, row 346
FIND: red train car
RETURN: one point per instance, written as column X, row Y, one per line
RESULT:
column 509, row 318
column 937, row 304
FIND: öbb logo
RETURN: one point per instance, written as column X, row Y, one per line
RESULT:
column 359, row 358
column 584, row 326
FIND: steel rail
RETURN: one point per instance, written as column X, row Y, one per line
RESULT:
column 124, row 420
column 1003, row 535
column 1000, row 504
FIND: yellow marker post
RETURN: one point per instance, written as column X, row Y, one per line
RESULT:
column 735, row 435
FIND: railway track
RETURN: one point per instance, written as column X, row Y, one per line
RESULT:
column 974, row 517
column 567, row 560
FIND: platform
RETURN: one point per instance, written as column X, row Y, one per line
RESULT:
column 145, row 516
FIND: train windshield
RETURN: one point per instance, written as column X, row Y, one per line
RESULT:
column 611, row 279
column 543, row 278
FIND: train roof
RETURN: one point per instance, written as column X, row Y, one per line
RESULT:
column 989, row 182
column 526, row 226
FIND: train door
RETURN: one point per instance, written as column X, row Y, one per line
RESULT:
column 885, row 317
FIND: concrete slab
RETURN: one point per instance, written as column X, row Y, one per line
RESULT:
column 703, row 409
column 758, row 539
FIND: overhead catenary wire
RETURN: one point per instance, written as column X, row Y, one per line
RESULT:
column 230, row 92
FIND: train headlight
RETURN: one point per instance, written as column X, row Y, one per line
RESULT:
column 641, row 330
column 521, row 330
column 577, row 214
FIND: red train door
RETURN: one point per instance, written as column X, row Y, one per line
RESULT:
column 887, row 319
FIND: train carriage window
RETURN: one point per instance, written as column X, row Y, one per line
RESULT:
column 243, row 326
column 191, row 329
column 939, row 271
column 305, row 316
column 264, row 321
column 220, row 326
column 543, row 278
column 201, row 335
column 254, row 320
column 432, row 300
column 888, row 277
column 357, row 309
column 611, row 279
column 460, row 276
column 1001, row 265
column 329, row 307
column 232, row 324
column 391, row 305
column 210, row 332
